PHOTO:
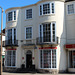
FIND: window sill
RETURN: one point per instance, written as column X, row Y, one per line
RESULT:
column 70, row 14
column 28, row 19
column 11, row 21
column 71, row 69
column 47, row 15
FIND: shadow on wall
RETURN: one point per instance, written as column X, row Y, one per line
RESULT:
column 63, row 54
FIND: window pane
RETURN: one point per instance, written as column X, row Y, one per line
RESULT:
column 52, row 7
column 14, row 36
column 53, row 32
column 53, row 58
column 40, row 10
column 70, row 59
column 14, row 15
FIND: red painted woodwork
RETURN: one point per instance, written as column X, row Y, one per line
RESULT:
column 11, row 49
column 48, row 48
column 70, row 46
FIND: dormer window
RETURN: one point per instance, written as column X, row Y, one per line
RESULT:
column 47, row 8
column 11, row 16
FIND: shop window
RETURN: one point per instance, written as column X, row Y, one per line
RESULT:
column 10, row 58
column 72, row 59
column 48, row 58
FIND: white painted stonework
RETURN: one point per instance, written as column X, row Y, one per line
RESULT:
column 64, row 30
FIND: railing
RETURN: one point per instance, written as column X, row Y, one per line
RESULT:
column 42, row 40
column 10, row 43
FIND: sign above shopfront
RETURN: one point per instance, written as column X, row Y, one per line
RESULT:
column 11, row 49
column 48, row 48
column 67, row 46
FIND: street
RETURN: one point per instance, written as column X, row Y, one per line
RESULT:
column 6, row 73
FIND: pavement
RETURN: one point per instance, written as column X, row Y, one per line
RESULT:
column 6, row 73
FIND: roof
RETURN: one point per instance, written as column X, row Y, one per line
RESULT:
column 31, row 5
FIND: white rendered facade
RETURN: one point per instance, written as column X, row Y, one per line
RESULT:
column 39, row 31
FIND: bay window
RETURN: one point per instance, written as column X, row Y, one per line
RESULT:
column 47, row 8
column 11, row 16
column 11, row 36
column 47, row 32
column 48, row 58
column 10, row 60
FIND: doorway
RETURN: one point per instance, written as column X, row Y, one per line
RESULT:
column 28, row 59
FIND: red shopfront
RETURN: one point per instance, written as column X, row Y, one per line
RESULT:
column 71, row 57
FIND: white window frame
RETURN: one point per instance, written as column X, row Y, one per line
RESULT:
column 26, row 14
column 25, row 33
column 68, row 11
column 11, row 60
column 51, row 59
column 50, row 8
column 12, row 15
column 51, row 31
